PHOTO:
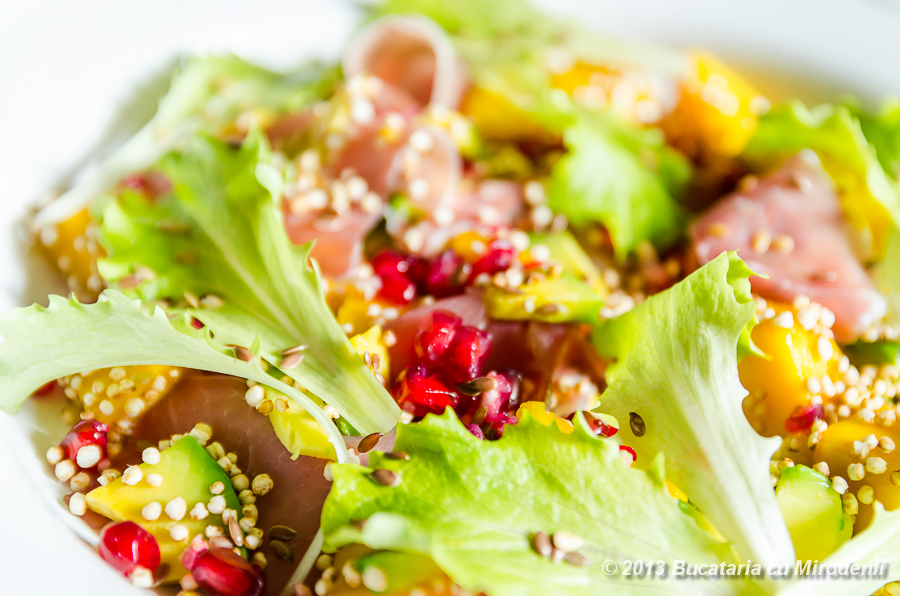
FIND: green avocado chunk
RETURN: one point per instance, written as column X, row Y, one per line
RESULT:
column 557, row 300
column 187, row 471
column 566, row 250
column 813, row 512
column 879, row 352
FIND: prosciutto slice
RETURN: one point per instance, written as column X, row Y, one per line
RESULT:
column 797, row 201
column 411, row 53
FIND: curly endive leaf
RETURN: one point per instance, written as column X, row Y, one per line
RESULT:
column 473, row 506
column 41, row 344
column 676, row 368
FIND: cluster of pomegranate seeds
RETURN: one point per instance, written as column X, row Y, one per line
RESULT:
column 127, row 546
column 630, row 451
column 220, row 571
column 802, row 419
column 86, row 434
column 449, row 371
column 403, row 277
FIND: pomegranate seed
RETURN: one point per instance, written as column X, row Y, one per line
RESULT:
column 188, row 557
column 83, row 434
column 196, row 323
column 435, row 334
column 500, row 400
column 221, row 572
column 44, row 389
column 419, row 394
column 499, row 257
column 465, row 357
column 600, row 428
column 475, row 430
column 125, row 545
column 447, row 274
column 396, row 284
column 629, row 450
column 802, row 419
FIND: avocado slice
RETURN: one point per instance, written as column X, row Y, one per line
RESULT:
column 813, row 512
column 566, row 250
column 879, row 352
column 187, row 471
column 557, row 300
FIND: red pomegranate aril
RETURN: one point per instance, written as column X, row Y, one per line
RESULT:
column 126, row 545
column 802, row 419
column 628, row 450
column 420, row 394
column 499, row 257
column 86, row 432
column 503, row 398
column 475, row 430
column 44, row 390
column 465, row 358
column 197, row 323
column 435, row 334
column 389, row 262
column 397, row 289
column 221, row 572
column 447, row 274
column 600, row 428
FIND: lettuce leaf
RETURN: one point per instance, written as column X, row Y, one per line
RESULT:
column 882, row 130
column 870, row 197
column 474, row 506
column 676, row 368
column 207, row 94
column 622, row 176
column 221, row 233
column 41, row 344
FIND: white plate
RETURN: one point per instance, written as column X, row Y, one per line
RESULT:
column 76, row 78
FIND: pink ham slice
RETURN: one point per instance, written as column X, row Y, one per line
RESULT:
column 798, row 200
column 339, row 238
column 411, row 53
column 300, row 485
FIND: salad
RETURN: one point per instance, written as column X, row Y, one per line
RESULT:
column 496, row 307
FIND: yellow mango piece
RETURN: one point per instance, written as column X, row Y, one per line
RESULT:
column 353, row 310
column 72, row 247
column 675, row 492
column 717, row 111
column 372, row 343
column 497, row 119
column 118, row 396
column 778, row 382
column 843, row 444
column 470, row 245
column 539, row 411
column 298, row 431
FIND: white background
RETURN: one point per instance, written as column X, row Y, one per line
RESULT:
column 77, row 77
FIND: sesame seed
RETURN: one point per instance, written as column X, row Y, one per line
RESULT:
column 856, row 472
column 784, row 320
column 199, row 512
column 55, row 455
column 179, row 533
column 871, row 440
column 262, row 484
column 783, row 243
column 240, row 482
column 217, row 505
column 217, row 488
column 151, row 511
column 421, row 140
column 176, row 509
column 866, row 494
column 132, row 475
column 541, row 216
column 825, row 348
column 106, row 408
column 876, row 465
column 362, row 111
column 150, row 455
column 77, row 504
column 839, row 484
column 822, row 468
column 761, row 241
column 886, row 444
column 851, row 505
column 255, row 395
column 141, row 577
column 374, row 579
column 418, row 189
column 154, row 480
column 827, row 318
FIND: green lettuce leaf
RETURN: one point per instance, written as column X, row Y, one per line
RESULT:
column 41, row 344
column 882, row 130
column 676, row 368
column 206, row 94
column 473, row 506
column 221, row 233
column 871, row 198
column 624, row 177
